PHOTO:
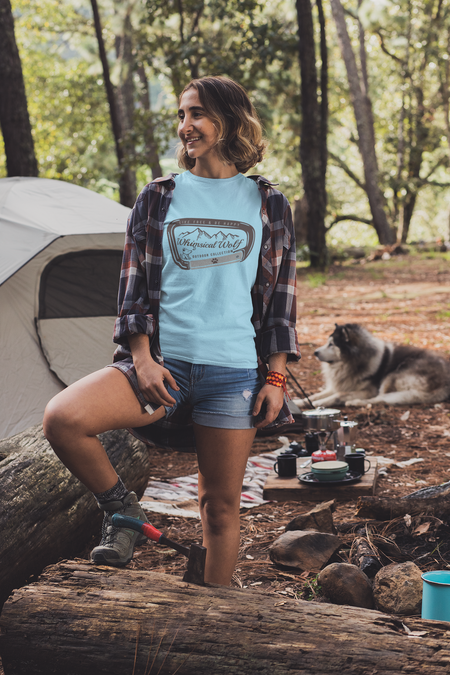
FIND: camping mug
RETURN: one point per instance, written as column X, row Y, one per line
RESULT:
column 357, row 462
column 287, row 466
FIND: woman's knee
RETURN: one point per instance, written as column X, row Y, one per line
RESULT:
column 58, row 420
column 219, row 515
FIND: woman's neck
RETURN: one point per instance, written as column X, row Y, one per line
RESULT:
column 215, row 169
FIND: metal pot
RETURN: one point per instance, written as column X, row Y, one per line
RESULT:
column 322, row 419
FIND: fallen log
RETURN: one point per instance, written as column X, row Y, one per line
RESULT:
column 82, row 619
column 46, row 513
column 431, row 501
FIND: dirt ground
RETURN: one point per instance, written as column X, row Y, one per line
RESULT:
column 405, row 299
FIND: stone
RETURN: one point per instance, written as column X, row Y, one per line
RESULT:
column 397, row 589
column 307, row 550
column 345, row 584
column 320, row 518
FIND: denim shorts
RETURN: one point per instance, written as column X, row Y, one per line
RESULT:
column 218, row 396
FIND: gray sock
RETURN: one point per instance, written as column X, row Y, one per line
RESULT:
column 117, row 493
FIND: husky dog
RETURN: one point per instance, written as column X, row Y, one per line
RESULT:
column 359, row 368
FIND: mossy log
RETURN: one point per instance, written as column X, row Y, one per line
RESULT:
column 47, row 514
column 81, row 619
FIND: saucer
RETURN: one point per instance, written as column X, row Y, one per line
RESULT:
column 310, row 479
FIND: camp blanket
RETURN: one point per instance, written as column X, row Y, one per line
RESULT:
column 179, row 496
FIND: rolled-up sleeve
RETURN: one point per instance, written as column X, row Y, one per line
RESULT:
column 134, row 305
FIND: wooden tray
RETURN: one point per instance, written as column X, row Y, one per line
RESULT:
column 290, row 489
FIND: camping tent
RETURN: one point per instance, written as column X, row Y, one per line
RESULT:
column 60, row 253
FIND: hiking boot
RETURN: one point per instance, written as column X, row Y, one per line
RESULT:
column 117, row 544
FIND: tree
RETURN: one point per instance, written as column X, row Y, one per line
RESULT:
column 313, row 143
column 127, row 182
column 14, row 118
column 358, row 84
column 415, row 40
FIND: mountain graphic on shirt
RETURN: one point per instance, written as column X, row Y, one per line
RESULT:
column 198, row 234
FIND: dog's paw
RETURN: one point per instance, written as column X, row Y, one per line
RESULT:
column 300, row 402
column 358, row 403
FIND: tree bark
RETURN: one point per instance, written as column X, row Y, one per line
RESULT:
column 82, row 619
column 125, row 98
column 14, row 118
column 313, row 134
column 127, row 187
column 46, row 512
column 362, row 110
column 151, row 147
column 436, row 503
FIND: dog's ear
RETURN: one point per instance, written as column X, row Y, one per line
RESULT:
column 345, row 334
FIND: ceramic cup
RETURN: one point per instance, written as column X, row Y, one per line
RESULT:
column 357, row 462
column 286, row 466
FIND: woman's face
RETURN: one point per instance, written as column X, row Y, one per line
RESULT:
column 196, row 131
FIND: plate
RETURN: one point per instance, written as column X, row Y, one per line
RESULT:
column 310, row 479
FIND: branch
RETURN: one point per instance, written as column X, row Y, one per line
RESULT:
column 386, row 50
column 443, row 160
column 347, row 170
column 338, row 219
column 435, row 183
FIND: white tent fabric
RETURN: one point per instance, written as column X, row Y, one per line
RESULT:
column 36, row 211
column 42, row 220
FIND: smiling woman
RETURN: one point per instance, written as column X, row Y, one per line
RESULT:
column 207, row 310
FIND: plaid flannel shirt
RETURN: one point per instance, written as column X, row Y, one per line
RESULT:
column 273, row 295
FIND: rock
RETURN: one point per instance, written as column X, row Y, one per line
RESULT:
column 304, row 550
column 345, row 584
column 320, row 518
column 397, row 589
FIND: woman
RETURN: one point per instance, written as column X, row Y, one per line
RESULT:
column 207, row 292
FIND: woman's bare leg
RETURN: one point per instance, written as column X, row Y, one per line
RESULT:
column 222, row 459
column 99, row 402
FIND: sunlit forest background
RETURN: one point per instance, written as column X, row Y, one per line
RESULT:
column 155, row 47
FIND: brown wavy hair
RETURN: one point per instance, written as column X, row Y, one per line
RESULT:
column 239, row 132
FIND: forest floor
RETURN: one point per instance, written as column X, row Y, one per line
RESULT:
column 405, row 299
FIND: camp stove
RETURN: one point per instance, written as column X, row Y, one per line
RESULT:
column 321, row 425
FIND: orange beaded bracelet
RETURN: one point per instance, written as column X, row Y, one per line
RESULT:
column 277, row 380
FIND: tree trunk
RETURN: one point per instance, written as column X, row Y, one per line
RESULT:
column 14, row 119
column 125, row 98
column 46, row 512
column 151, row 147
column 82, row 619
column 362, row 110
column 127, row 187
column 312, row 143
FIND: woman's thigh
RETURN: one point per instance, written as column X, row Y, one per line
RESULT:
column 222, row 459
column 99, row 402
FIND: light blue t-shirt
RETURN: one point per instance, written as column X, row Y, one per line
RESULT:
column 211, row 244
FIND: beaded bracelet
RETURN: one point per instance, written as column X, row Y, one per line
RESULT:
column 278, row 380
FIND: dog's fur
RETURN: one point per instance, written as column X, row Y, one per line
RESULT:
column 359, row 368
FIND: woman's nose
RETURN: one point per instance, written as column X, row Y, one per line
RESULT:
column 184, row 125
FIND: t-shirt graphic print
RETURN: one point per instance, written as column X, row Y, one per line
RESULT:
column 198, row 242
column 211, row 247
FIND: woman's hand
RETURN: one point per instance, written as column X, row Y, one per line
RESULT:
column 270, row 395
column 273, row 398
column 151, row 375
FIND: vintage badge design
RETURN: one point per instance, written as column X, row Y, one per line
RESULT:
column 206, row 242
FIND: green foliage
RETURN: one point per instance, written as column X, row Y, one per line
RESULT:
column 255, row 42
column 316, row 279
